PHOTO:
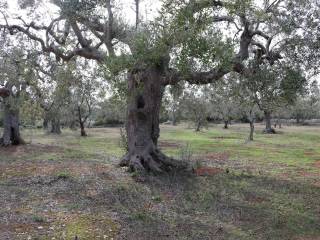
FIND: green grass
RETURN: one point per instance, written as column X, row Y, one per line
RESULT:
column 287, row 148
column 73, row 185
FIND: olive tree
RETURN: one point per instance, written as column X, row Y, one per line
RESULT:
column 195, row 107
column 223, row 104
column 15, row 77
column 83, row 92
column 186, row 42
column 245, row 106
column 274, row 86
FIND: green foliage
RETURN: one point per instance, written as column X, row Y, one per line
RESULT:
column 38, row 219
column 74, row 8
column 63, row 175
column 26, row 3
column 116, row 64
column 195, row 107
column 240, row 7
column 293, row 83
column 30, row 112
column 275, row 85
column 111, row 112
column 149, row 49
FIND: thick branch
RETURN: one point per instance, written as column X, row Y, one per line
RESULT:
column 236, row 65
column 85, row 51
column 4, row 92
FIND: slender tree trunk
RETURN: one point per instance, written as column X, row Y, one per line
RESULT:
column 11, row 132
column 267, row 118
column 55, row 126
column 145, row 93
column 174, row 118
column 198, row 126
column 45, row 124
column 82, row 129
column 251, row 122
column 226, row 124
column 81, row 122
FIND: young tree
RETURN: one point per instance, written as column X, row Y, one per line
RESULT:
column 247, row 106
column 83, row 92
column 56, row 100
column 223, row 104
column 195, row 105
column 186, row 43
column 274, row 86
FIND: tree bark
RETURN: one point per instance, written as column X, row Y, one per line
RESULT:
column 174, row 119
column 267, row 118
column 81, row 122
column 145, row 91
column 11, row 132
column 45, row 124
column 251, row 130
column 55, row 126
column 198, row 126
column 82, row 130
column 226, row 124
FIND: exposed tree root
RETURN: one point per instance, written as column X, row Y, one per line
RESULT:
column 16, row 142
column 154, row 161
column 269, row 131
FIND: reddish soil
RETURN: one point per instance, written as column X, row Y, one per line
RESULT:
column 308, row 174
column 221, row 157
column 309, row 153
column 41, row 168
column 255, row 199
column 316, row 184
column 18, row 151
column 207, row 171
column 317, row 164
column 167, row 144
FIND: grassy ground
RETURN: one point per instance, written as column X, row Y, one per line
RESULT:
column 66, row 187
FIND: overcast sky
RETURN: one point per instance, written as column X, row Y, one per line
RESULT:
column 148, row 9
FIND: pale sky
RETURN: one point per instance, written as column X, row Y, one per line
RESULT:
column 148, row 9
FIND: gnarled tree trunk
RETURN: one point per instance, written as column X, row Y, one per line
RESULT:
column 11, row 131
column 267, row 118
column 55, row 126
column 145, row 91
